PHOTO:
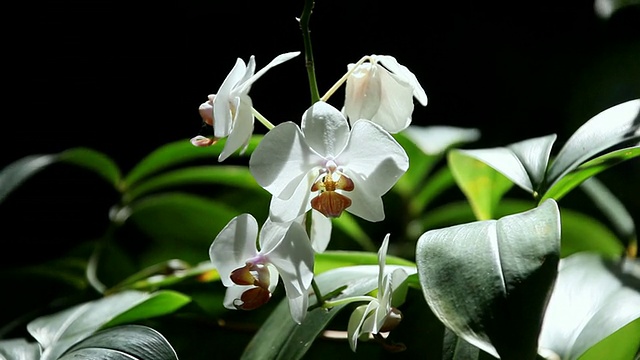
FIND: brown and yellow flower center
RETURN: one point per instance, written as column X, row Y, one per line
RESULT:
column 329, row 202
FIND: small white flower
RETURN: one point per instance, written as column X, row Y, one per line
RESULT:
column 230, row 110
column 378, row 315
column 326, row 166
column 251, row 275
column 382, row 91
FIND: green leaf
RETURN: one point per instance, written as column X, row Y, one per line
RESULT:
column 229, row 175
column 592, row 299
column 19, row 349
column 280, row 337
column 126, row 342
column 160, row 303
column 176, row 153
column 581, row 232
column 94, row 161
column 58, row 332
column 350, row 226
column 524, row 162
column 329, row 260
column 622, row 344
column 489, row 281
column 181, row 222
column 611, row 127
column 16, row 173
column 482, row 185
column 591, row 168
column 433, row 186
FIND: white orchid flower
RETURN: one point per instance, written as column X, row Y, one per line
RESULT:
column 382, row 91
column 251, row 275
column 230, row 110
column 326, row 166
column 378, row 315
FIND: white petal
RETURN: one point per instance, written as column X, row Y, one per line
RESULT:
column 233, row 246
column 221, row 103
column 294, row 258
column 298, row 307
column 246, row 84
column 325, row 129
column 365, row 204
column 363, row 92
column 234, row 292
column 356, row 321
column 320, row 231
column 282, row 159
column 241, row 131
column 298, row 203
column 375, row 156
column 392, row 64
column 382, row 258
column 271, row 234
column 396, row 103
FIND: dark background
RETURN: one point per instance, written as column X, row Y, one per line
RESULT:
column 125, row 78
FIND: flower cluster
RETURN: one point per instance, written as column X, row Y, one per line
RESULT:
column 331, row 162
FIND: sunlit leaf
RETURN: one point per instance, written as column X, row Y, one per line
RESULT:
column 58, row 332
column 592, row 299
column 433, row 186
column 127, row 342
column 613, row 126
column 281, row 338
column 489, row 281
column 482, row 185
column 229, row 175
column 591, row 168
column 179, row 152
column 334, row 259
column 622, row 344
column 19, row 349
column 94, row 161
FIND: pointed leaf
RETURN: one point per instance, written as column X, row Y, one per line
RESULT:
column 58, row 332
column 609, row 299
column 230, row 175
column 611, row 127
column 123, row 342
column 16, row 173
column 591, row 168
column 94, row 161
column 176, row 153
column 489, row 281
column 482, row 185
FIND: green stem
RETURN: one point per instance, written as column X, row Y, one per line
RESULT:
column 316, row 290
column 344, row 77
column 262, row 119
column 308, row 52
column 330, row 304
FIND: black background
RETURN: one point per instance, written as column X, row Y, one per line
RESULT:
column 125, row 78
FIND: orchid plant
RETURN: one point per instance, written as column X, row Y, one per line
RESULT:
column 495, row 275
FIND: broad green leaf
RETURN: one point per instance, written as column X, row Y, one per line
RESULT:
column 622, row 344
column 482, row 185
column 425, row 146
column 161, row 303
column 591, row 168
column 348, row 224
column 19, row 349
column 229, row 175
column 489, row 281
column 611, row 127
column 456, row 348
column 524, row 162
column 280, row 337
column 329, row 260
column 179, row 152
column 181, row 222
column 165, row 274
column 94, row 161
column 433, row 186
column 592, row 299
column 127, row 342
column 58, row 332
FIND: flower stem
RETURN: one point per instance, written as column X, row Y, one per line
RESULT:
column 316, row 290
column 330, row 304
column 262, row 119
column 344, row 77
column 308, row 52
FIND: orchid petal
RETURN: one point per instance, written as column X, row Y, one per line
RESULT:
column 294, row 259
column 233, row 293
column 282, row 159
column 320, row 231
column 375, row 156
column 382, row 259
column 396, row 103
column 402, row 71
column 246, row 84
column 364, row 203
column 363, row 92
column 355, row 328
column 221, row 110
column 299, row 202
column 233, row 246
column 298, row 307
column 325, row 129
column 241, row 131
